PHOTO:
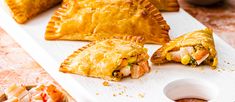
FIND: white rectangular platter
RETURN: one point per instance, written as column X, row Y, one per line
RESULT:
column 150, row 87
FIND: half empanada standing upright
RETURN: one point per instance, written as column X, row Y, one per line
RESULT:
column 98, row 19
column 23, row 10
column 193, row 48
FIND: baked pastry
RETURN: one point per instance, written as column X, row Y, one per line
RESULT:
column 166, row 5
column 110, row 59
column 42, row 93
column 192, row 48
column 23, row 10
column 98, row 19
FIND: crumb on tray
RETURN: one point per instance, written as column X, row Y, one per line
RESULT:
column 114, row 95
column 105, row 83
column 141, row 95
column 156, row 71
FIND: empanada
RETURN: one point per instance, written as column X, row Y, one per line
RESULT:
column 192, row 48
column 23, row 10
column 98, row 19
column 47, row 93
column 109, row 59
column 166, row 5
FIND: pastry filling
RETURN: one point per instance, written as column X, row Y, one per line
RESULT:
column 189, row 55
column 134, row 66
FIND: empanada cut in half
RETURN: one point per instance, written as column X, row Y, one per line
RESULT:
column 110, row 59
column 193, row 48
column 166, row 5
column 23, row 10
column 98, row 19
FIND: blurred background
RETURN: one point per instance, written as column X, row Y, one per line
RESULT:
column 216, row 14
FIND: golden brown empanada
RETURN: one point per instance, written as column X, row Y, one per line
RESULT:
column 23, row 10
column 192, row 48
column 110, row 59
column 98, row 19
column 166, row 5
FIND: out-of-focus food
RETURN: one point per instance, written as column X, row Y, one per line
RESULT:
column 23, row 10
column 110, row 59
column 91, row 20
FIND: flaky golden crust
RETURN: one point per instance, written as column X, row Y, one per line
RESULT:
column 200, row 37
column 166, row 5
column 89, row 20
column 101, row 58
column 23, row 10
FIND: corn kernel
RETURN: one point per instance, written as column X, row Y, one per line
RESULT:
column 185, row 59
column 145, row 49
column 168, row 56
column 132, row 59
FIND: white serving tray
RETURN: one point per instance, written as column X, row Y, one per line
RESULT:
column 216, row 85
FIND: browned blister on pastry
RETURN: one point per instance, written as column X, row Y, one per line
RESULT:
column 166, row 5
column 23, row 10
column 193, row 48
column 109, row 59
column 94, row 20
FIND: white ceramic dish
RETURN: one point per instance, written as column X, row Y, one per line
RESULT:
column 150, row 87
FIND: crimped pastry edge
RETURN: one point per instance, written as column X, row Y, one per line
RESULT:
column 51, row 30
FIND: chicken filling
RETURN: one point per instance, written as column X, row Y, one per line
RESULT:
column 135, row 66
column 189, row 55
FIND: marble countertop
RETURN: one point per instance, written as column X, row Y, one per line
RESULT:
column 16, row 66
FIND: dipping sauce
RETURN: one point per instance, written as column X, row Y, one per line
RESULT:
column 191, row 100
